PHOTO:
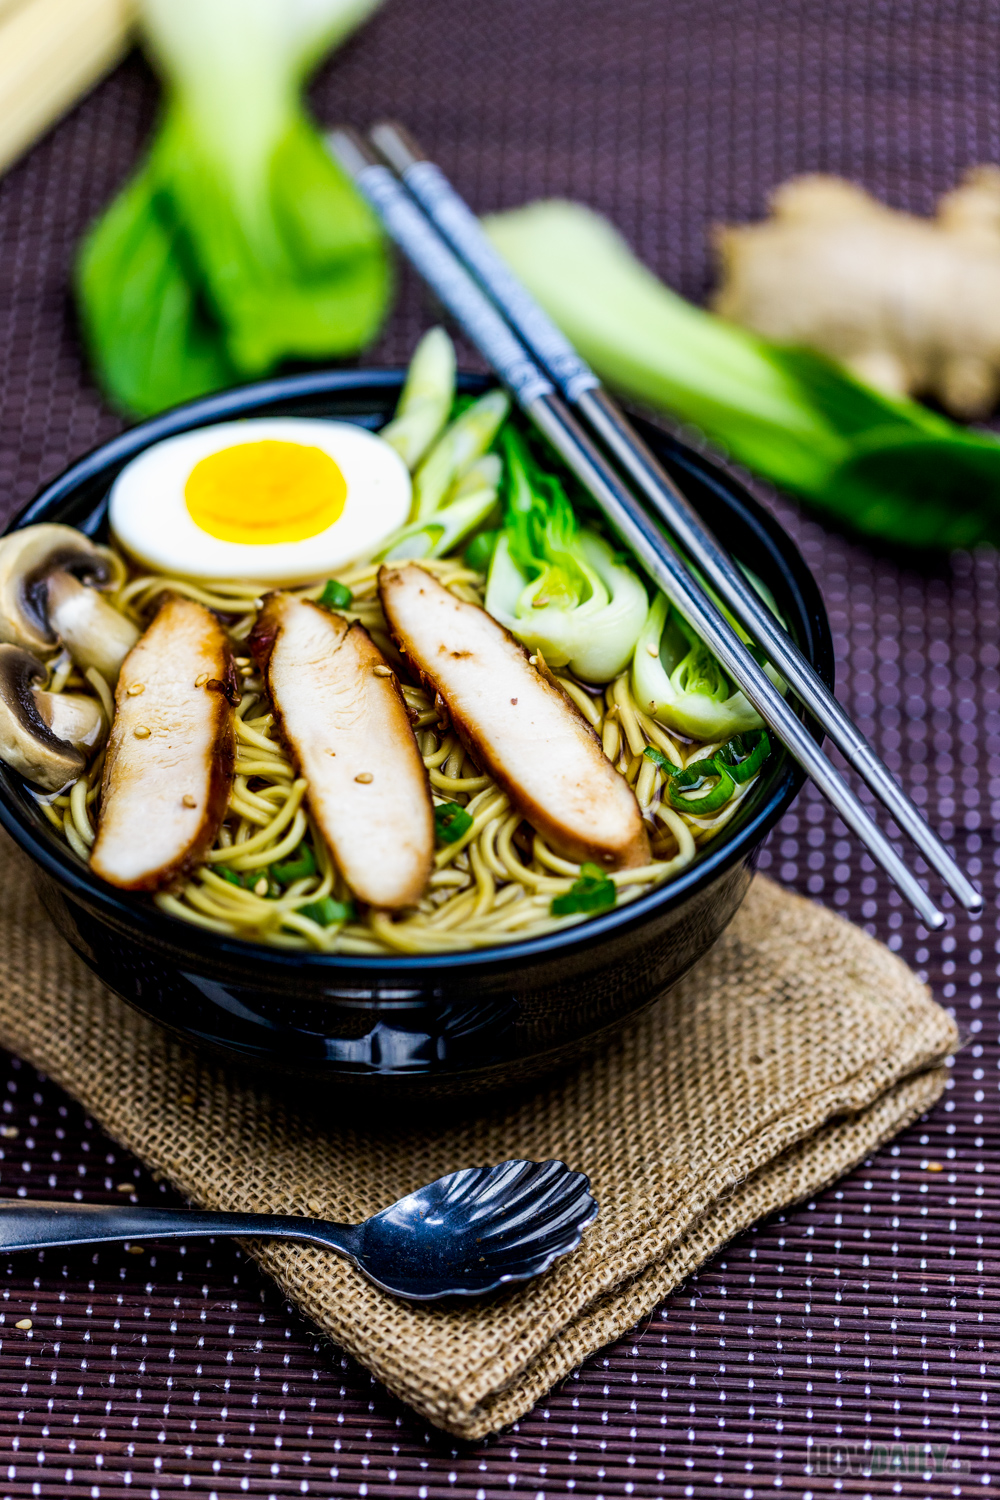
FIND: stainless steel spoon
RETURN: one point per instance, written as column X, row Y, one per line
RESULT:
column 462, row 1236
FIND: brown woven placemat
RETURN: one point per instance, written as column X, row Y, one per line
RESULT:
column 791, row 1051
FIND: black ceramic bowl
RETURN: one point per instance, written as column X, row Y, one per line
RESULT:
column 444, row 1024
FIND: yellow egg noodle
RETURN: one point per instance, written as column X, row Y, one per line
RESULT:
column 494, row 884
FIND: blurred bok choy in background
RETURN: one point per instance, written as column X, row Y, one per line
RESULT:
column 886, row 466
column 239, row 242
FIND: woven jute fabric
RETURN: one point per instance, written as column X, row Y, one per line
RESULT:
column 796, row 1047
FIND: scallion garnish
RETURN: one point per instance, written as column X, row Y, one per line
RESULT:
column 661, row 761
column 451, row 820
column 694, row 776
column 327, row 912
column 592, row 891
column 300, row 865
column 336, row 595
column 744, row 754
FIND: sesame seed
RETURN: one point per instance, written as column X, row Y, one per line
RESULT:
column 141, row 732
column 383, row 671
column 652, row 648
column 365, row 777
column 126, row 1187
column 135, row 688
column 9, row 1132
column 188, row 800
column 23, row 1323
column 260, row 889
column 200, row 681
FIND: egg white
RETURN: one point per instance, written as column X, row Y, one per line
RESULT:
column 150, row 520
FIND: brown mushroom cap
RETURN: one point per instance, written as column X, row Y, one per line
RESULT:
column 28, row 559
column 27, row 742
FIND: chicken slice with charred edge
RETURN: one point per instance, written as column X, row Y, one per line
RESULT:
column 342, row 715
column 515, row 725
column 169, row 767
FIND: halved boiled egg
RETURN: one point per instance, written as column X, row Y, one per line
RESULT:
column 274, row 500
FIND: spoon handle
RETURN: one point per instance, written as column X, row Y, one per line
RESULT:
column 32, row 1225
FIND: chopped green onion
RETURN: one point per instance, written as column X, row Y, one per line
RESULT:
column 328, row 912
column 479, row 552
column 694, row 776
column 744, row 754
column 593, row 891
column 232, row 876
column 336, row 595
column 298, row 867
column 451, row 820
column 661, row 761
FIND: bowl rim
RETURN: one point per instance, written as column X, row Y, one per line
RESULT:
column 162, row 930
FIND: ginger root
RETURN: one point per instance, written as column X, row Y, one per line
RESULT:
column 909, row 305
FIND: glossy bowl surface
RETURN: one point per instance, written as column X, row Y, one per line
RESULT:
column 454, row 1023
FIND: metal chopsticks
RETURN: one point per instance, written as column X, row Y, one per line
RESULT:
column 452, row 216
column 468, row 303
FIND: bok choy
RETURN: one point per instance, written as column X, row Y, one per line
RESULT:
column 239, row 242
column 677, row 680
column 557, row 586
column 885, row 466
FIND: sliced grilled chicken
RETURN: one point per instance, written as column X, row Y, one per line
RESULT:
column 170, row 753
column 343, row 718
column 515, row 725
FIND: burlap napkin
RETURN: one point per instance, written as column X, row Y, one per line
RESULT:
column 793, row 1049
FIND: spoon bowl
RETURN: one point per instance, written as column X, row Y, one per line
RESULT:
column 464, row 1235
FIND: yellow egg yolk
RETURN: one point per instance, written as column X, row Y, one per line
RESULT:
column 265, row 492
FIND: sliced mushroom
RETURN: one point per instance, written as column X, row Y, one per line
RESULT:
column 514, row 723
column 170, row 758
column 50, row 577
column 46, row 737
column 341, row 712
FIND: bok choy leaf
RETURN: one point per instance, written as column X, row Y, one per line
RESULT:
column 886, row 466
column 239, row 242
column 557, row 586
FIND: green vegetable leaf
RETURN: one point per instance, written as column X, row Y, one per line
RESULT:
column 885, row 466
column 152, row 337
column 593, row 891
column 678, row 681
column 239, row 242
column 328, row 912
column 335, row 595
column 450, row 821
column 301, row 864
column 479, row 552
column 555, row 585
